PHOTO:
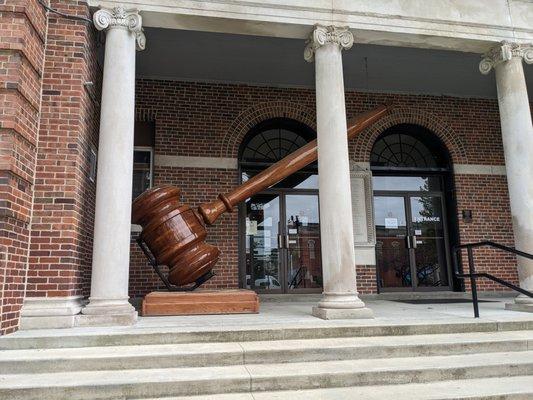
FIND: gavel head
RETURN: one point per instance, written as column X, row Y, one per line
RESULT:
column 175, row 234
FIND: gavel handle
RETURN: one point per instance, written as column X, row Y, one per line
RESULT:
column 295, row 161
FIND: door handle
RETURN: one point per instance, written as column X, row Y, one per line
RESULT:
column 408, row 242
column 280, row 242
column 414, row 241
column 287, row 242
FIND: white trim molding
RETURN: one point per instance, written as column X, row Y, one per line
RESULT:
column 363, row 214
column 466, row 25
column 195, row 162
column 478, row 169
column 50, row 312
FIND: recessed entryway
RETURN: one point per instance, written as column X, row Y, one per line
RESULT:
column 411, row 171
column 280, row 227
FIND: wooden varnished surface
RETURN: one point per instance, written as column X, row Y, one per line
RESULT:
column 201, row 302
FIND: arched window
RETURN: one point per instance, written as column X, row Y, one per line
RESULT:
column 271, row 141
column 407, row 146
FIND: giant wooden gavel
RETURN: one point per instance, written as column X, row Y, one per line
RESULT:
column 175, row 233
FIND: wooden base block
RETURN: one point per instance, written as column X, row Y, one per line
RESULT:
column 238, row 301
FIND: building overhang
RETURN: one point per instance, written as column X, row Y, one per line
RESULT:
column 467, row 25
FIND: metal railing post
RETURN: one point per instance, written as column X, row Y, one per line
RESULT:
column 473, row 275
column 473, row 285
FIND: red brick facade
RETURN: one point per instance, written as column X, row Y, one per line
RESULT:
column 61, row 238
column 200, row 119
column 22, row 38
column 49, row 124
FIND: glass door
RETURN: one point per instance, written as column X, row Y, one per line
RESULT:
column 263, row 262
column 283, row 243
column 411, row 245
column 428, row 241
column 392, row 253
column 303, row 268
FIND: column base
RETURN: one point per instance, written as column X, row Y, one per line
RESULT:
column 107, row 312
column 521, row 303
column 50, row 312
column 342, row 313
column 341, row 306
column 519, row 307
column 523, row 299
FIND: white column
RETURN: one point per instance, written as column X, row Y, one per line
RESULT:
column 340, row 298
column 517, row 135
column 108, row 303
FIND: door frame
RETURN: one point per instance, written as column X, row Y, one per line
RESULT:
column 283, row 252
column 406, row 195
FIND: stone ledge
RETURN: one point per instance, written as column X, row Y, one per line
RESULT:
column 342, row 313
column 519, row 307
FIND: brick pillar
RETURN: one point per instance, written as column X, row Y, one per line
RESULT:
column 61, row 235
column 22, row 38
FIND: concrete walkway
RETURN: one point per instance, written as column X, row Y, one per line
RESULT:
column 278, row 314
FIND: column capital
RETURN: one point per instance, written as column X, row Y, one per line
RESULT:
column 119, row 17
column 322, row 35
column 505, row 51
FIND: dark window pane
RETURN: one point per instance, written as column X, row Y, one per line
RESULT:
column 142, row 179
column 144, row 133
column 407, row 183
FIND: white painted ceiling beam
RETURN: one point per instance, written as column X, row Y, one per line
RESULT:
column 462, row 25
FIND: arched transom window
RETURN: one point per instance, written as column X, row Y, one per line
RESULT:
column 408, row 146
column 272, row 140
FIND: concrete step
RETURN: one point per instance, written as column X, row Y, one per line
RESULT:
column 145, row 383
column 511, row 388
column 113, row 336
column 260, row 352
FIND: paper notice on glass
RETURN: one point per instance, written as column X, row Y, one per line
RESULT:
column 391, row 223
column 251, row 227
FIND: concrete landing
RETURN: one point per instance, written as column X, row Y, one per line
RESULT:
column 279, row 320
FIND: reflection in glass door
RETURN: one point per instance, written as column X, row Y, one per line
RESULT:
column 411, row 248
column 262, row 251
column 392, row 254
column 428, row 240
column 302, row 245
column 283, row 256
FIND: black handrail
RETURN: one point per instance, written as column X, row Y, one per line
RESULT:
column 473, row 275
column 295, row 282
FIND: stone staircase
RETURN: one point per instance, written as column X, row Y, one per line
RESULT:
column 481, row 360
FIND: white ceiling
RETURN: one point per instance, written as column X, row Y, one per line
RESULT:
column 203, row 56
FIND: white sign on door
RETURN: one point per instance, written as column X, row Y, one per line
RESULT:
column 391, row 223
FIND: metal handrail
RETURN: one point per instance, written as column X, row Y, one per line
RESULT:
column 293, row 283
column 473, row 275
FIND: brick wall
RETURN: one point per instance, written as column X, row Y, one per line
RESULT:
column 46, row 197
column 61, row 238
column 488, row 199
column 204, row 119
column 22, row 37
